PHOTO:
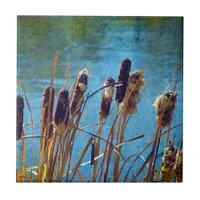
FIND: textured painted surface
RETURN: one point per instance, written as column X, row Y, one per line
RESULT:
column 99, row 44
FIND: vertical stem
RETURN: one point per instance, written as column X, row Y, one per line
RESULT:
column 112, row 132
column 96, row 152
column 155, row 155
column 121, row 136
column 153, row 152
column 23, row 156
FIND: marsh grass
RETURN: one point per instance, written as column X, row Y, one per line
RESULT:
column 60, row 129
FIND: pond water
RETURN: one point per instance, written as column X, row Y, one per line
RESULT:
column 99, row 44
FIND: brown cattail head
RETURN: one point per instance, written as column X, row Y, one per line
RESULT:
column 46, row 102
column 135, row 83
column 168, row 163
column 106, row 99
column 164, row 106
column 123, row 79
column 61, row 114
column 20, row 114
column 79, row 89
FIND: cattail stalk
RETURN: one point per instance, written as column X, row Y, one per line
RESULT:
column 20, row 114
column 164, row 106
column 104, row 111
column 60, row 121
column 135, row 83
column 123, row 77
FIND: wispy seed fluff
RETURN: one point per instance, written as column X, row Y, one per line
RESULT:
column 20, row 115
column 45, row 110
column 123, row 79
column 164, row 106
column 79, row 89
column 106, row 99
column 61, row 115
column 135, row 83
column 168, row 163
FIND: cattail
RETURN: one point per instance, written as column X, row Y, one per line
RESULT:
column 93, row 151
column 61, row 115
column 168, row 163
column 79, row 90
column 123, row 79
column 178, row 168
column 20, row 114
column 164, row 106
column 106, row 99
column 135, row 83
column 46, row 111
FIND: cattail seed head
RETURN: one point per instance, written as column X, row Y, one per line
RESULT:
column 164, row 106
column 123, row 79
column 106, row 99
column 168, row 162
column 135, row 83
column 61, row 114
column 136, row 80
column 45, row 105
column 47, row 111
column 20, row 114
column 79, row 89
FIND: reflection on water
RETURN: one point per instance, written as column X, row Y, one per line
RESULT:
column 99, row 44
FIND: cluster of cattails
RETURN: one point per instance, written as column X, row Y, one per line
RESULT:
column 47, row 111
column 106, row 99
column 80, row 87
column 168, row 163
column 62, row 110
column 164, row 106
column 20, row 114
column 123, row 80
column 135, row 83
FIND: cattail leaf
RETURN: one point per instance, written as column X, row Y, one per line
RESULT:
column 30, row 124
column 67, row 74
